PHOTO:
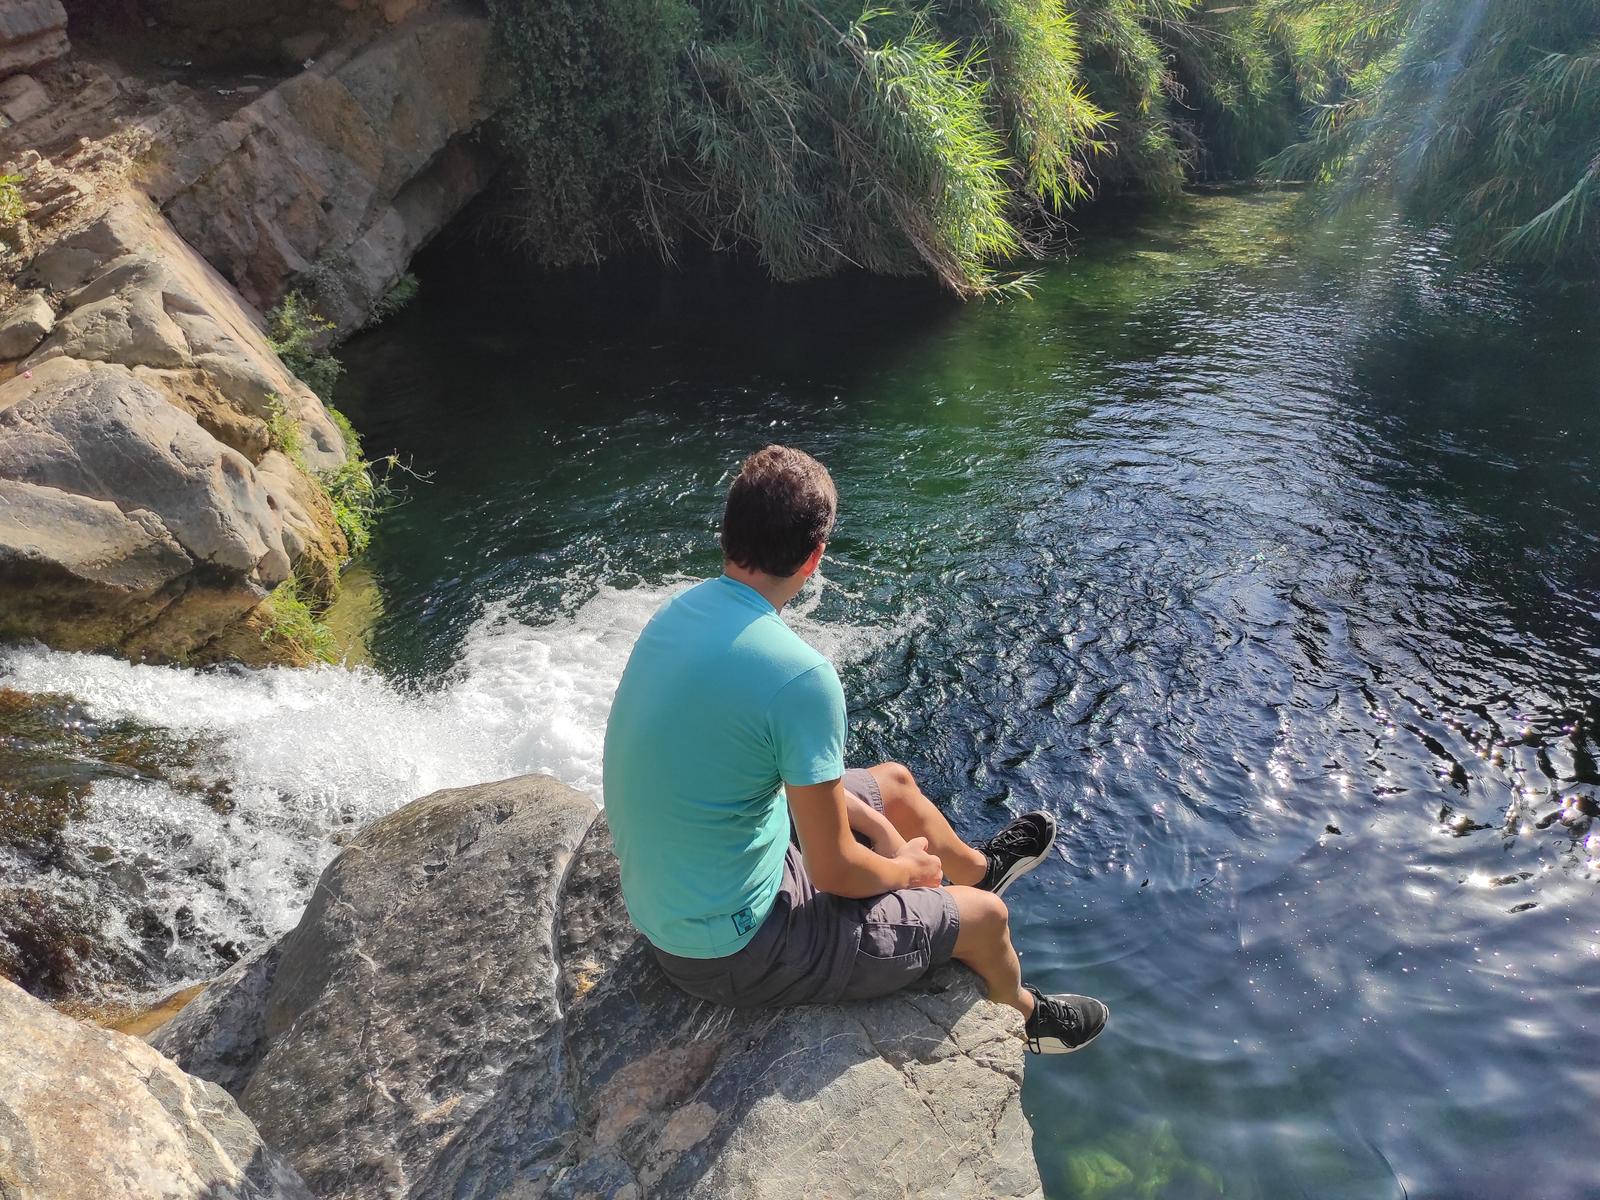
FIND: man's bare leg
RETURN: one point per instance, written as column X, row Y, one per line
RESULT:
column 984, row 944
column 914, row 815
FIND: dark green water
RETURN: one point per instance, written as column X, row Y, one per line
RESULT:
column 1269, row 560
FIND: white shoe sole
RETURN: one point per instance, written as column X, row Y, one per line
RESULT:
column 1023, row 865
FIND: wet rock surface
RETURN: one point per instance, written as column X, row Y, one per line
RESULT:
column 97, row 1115
column 464, row 1010
column 64, row 944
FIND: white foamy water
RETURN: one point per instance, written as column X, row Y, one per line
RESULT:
column 314, row 755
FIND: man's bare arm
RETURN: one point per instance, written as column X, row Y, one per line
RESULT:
column 873, row 825
column 837, row 863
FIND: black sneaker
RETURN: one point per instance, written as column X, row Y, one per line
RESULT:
column 1064, row 1023
column 1015, row 850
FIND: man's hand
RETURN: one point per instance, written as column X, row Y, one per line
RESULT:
column 926, row 870
column 836, row 862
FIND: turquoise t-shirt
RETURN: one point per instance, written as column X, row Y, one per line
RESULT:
column 721, row 704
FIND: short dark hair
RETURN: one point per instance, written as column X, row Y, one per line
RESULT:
column 780, row 508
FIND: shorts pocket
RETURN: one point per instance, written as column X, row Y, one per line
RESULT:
column 888, row 957
column 885, row 940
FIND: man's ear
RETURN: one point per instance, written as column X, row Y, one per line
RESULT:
column 813, row 562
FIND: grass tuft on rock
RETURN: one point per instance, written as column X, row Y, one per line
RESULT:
column 283, row 431
column 291, row 631
column 300, row 335
column 355, row 491
column 356, row 494
column 402, row 293
column 13, row 209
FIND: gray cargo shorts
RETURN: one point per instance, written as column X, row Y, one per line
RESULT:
column 817, row 948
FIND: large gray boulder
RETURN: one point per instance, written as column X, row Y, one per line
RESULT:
column 24, row 325
column 96, row 430
column 465, row 1011
column 85, row 571
column 123, row 523
column 135, row 294
column 88, row 1114
column 145, row 506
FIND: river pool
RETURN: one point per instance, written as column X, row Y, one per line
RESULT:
column 1265, row 555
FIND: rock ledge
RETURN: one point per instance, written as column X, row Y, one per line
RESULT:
column 464, row 1011
column 94, row 1115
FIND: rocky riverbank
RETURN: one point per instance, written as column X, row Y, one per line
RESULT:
column 463, row 1010
column 162, row 472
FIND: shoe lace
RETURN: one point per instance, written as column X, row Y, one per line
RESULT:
column 1013, row 839
column 1059, row 1012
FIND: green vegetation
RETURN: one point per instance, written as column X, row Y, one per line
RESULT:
column 300, row 335
column 356, row 494
column 1485, row 115
column 595, row 84
column 293, row 631
column 397, row 297
column 283, row 431
column 947, row 137
column 357, row 497
column 15, row 233
column 12, row 207
column 904, row 137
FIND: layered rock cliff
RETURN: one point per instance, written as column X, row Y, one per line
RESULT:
column 160, row 469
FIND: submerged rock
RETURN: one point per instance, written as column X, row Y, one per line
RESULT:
column 465, row 1011
column 95, row 1115
column 44, row 941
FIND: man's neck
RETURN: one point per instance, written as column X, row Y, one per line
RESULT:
column 776, row 590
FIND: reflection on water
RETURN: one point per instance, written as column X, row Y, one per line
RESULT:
column 1268, row 560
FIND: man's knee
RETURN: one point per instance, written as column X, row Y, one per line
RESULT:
column 984, row 916
column 896, row 784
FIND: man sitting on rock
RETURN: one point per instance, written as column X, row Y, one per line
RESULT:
column 722, row 713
